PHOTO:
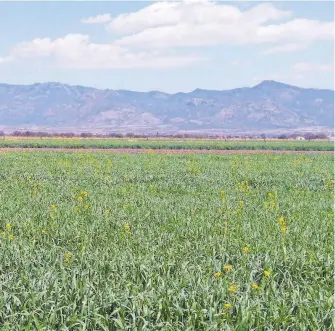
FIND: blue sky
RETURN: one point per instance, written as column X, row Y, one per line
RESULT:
column 167, row 46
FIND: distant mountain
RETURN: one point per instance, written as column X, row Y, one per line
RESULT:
column 266, row 106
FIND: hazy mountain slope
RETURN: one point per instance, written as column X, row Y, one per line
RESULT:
column 265, row 106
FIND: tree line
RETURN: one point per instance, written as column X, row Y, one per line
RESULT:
column 43, row 134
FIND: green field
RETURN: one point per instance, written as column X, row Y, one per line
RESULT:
column 154, row 143
column 102, row 241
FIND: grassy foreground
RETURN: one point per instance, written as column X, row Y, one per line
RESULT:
column 95, row 241
column 154, row 143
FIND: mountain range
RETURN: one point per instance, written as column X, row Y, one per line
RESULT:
column 269, row 105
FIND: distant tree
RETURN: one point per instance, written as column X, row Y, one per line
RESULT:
column 119, row 135
column 282, row 136
column 27, row 134
column 2, row 134
column 67, row 134
column 130, row 135
column 321, row 136
column 42, row 134
column 294, row 135
column 309, row 136
column 263, row 136
column 86, row 135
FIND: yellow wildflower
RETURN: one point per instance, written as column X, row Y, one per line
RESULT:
column 281, row 221
column 255, row 286
column 246, row 250
column 228, row 267
column 227, row 306
column 84, row 193
column 127, row 228
column 243, row 186
column 233, row 288
column 267, row 273
column 223, row 195
column 283, row 228
column 11, row 237
column 8, row 227
column 217, row 274
column 80, row 199
column 44, row 230
column 53, row 207
column 108, row 212
column 67, row 257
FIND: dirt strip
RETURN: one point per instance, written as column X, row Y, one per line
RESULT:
column 163, row 151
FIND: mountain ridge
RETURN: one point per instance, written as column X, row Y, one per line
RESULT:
column 265, row 106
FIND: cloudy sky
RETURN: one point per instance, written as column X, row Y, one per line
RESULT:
column 167, row 46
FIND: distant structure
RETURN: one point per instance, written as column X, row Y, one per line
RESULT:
column 299, row 138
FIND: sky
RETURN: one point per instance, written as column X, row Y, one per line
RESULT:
column 167, row 46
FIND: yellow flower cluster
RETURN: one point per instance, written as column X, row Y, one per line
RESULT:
column 227, row 306
column 68, row 258
column 243, row 186
column 127, row 229
column 227, row 267
column 81, row 196
column 255, row 286
column 283, row 224
column 217, row 274
column 233, row 288
column 8, row 232
column 271, row 203
column 81, row 199
column 223, row 196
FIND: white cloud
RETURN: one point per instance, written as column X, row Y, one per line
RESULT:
column 286, row 48
column 149, row 37
column 5, row 59
column 204, row 23
column 306, row 67
column 201, row 13
column 76, row 51
column 99, row 19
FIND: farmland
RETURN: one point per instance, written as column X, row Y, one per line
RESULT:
column 104, row 241
column 175, row 144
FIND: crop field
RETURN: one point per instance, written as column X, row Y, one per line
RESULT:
column 175, row 144
column 104, row 241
